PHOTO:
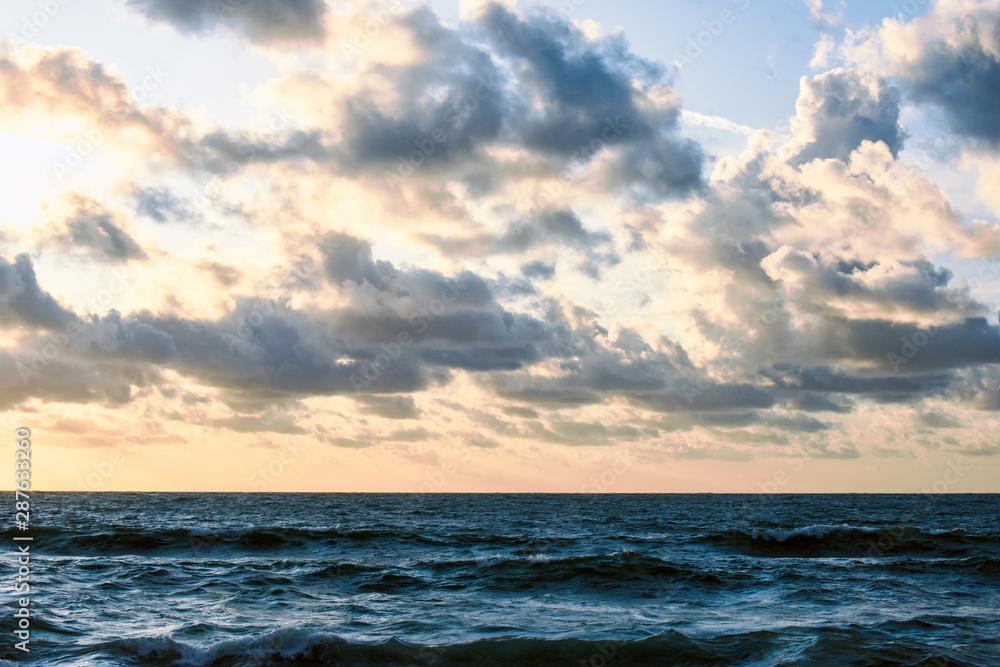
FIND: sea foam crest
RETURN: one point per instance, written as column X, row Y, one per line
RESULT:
column 821, row 530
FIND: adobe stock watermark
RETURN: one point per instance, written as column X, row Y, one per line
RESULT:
column 262, row 309
column 887, row 539
column 714, row 29
column 781, row 477
column 104, row 469
column 609, row 477
column 909, row 8
column 269, row 473
column 37, row 21
column 378, row 18
column 436, row 480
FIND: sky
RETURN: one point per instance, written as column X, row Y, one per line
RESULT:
column 576, row 246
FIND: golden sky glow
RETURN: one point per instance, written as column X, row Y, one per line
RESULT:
column 390, row 247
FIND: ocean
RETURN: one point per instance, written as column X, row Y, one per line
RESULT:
column 213, row 580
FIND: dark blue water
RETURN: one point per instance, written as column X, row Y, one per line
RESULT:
column 383, row 579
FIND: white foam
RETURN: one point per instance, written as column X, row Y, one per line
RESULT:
column 490, row 561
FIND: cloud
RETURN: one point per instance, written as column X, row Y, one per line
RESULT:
column 580, row 88
column 718, row 122
column 909, row 287
column 821, row 19
column 92, row 227
column 838, row 110
column 750, row 312
column 881, row 388
column 938, row 419
column 263, row 21
column 23, row 302
column 389, row 407
column 538, row 269
column 948, row 58
column 159, row 204
column 265, row 423
column 43, row 87
column 822, row 51
column 532, row 82
column 553, row 228
column 350, row 259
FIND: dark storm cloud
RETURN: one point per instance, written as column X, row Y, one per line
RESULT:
column 224, row 275
column 938, row 419
column 65, row 379
column 349, row 258
column 543, row 391
column 468, row 109
column 844, row 111
column 23, row 302
column 256, row 20
column 908, row 348
column 96, row 231
column 880, row 388
column 705, row 397
column 812, row 402
column 113, row 336
column 563, row 227
column 979, row 387
column 389, row 407
column 629, row 367
column 588, row 102
column 663, row 166
column 797, row 423
column 280, row 353
column 471, row 339
column 265, row 351
column 445, row 322
column 580, row 89
column 269, row 423
column 542, row 87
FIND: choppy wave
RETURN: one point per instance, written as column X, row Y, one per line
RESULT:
column 819, row 539
column 132, row 580
column 301, row 648
column 851, row 541
column 622, row 567
column 132, row 540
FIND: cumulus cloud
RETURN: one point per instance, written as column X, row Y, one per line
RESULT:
column 752, row 311
column 255, row 20
column 533, row 82
column 948, row 58
column 838, row 110
column 24, row 302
